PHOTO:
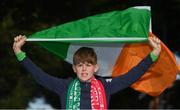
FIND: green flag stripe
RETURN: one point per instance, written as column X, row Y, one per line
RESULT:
column 59, row 49
column 130, row 23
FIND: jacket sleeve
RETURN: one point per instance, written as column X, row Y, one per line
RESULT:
column 124, row 81
column 54, row 84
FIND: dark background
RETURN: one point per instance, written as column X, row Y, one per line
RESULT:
column 25, row 17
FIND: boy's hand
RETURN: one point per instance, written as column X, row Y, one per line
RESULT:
column 155, row 43
column 19, row 41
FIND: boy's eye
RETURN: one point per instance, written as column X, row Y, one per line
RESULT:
column 79, row 65
column 89, row 64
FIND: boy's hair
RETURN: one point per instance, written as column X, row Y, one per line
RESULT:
column 85, row 54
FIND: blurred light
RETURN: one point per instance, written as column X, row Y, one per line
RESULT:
column 178, row 62
column 39, row 103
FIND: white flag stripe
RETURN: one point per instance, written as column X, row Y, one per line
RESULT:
column 107, row 55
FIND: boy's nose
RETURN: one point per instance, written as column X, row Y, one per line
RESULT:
column 84, row 67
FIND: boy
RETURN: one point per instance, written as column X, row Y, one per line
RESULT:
column 86, row 91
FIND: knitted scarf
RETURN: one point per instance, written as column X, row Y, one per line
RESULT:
column 98, row 98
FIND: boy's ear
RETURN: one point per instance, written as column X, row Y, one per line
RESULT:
column 74, row 69
column 96, row 68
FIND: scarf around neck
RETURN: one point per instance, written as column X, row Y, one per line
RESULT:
column 98, row 97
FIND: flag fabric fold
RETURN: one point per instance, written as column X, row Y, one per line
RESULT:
column 120, row 40
column 160, row 75
column 130, row 25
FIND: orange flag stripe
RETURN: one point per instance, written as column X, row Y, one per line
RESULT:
column 158, row 77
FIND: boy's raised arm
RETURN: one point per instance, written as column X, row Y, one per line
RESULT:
column 154, row 42
column 52, row 83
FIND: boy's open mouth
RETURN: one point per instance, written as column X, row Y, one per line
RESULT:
column 84, row 74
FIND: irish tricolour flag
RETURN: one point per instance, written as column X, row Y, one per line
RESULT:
column 120, row 41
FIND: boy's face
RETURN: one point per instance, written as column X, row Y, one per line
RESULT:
column 85, row 71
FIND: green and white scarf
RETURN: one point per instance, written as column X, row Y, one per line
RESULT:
column 98, row 99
